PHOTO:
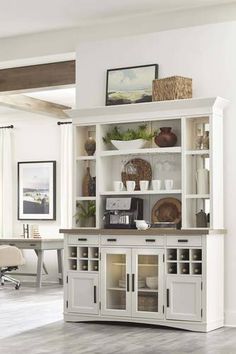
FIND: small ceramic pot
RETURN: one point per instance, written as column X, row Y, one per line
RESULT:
column 165, row 138
column 90, row 221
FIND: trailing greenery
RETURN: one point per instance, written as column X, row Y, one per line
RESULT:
column 130, row 134
column 85, row 211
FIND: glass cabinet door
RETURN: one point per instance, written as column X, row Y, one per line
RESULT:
column 147, row 283
column 116, row 292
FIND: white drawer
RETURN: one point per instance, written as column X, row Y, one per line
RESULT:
column 83, row 239
column 183, row 241
column 123, row 240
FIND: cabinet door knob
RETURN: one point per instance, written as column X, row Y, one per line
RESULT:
column 12, row 244
column 82, row 239
column 182, row 240
column 32, row 244
column 111, row 239
column 150, row 240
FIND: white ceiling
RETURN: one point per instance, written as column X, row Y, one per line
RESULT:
column 65, row 96
column 19, row 17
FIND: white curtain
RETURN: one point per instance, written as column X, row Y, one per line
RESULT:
column 6, row 183
column 66, row 175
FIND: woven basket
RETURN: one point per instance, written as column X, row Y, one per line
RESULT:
column 171, row 88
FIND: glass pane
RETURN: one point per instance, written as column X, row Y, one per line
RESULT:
column 148, row 283
column 116, row 282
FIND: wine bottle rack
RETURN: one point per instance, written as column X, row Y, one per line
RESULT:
column 83, row 259
column 184, row 261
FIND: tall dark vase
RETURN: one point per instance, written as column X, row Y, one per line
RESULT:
column 166, row 138
column 87, row 181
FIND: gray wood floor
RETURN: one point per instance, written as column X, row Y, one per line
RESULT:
column 31, row 322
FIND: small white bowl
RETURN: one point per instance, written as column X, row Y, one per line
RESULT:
column 129, row 144
column 152, row 282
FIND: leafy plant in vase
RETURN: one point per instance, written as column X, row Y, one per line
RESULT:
column 85, row 214
column 129, row 139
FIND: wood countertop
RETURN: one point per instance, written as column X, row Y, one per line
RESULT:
column 154, row 231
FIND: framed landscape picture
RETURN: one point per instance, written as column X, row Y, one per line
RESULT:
column 37, row 190
column 130, row 85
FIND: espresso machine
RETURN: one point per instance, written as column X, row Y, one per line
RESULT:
column 120, row 213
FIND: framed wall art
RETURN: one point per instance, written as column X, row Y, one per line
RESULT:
column 130, row 85
column 37, row 190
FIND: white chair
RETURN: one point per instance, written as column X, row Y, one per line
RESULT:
column 10, row 258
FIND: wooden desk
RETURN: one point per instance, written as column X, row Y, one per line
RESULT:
column 39, row 246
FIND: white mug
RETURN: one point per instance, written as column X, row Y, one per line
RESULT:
column 118, row 186
column 130, row 185
column 156, row 184
column 142, row 224
column 169, row 184
column 143, row 185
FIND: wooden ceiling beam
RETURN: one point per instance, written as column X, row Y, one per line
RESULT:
column 34, row 105
column 37, row 76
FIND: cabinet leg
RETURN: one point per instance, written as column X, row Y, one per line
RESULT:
column 39, row 269
column 60, row 265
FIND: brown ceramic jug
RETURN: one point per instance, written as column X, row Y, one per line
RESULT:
column 166, row 137
column 201, row 219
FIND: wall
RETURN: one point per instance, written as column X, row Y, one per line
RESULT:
column 39, row 47
column 35, row 138
column 205, row 53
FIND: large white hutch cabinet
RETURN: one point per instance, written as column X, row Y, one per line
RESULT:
column 107, row 270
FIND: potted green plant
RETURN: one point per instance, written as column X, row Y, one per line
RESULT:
column 85, row 214
column 129, row 139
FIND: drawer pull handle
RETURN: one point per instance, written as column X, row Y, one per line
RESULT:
column 12, row 244
column 127, row 282
column 82, row 239
column 111, row 239
column 32, row 244
column 167, row 297
column 150, row 240
column 182, row 240
column 132, row 282
column 95, row 294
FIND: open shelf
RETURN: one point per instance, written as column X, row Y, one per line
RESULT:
column 145, row 151
column 85, row 158
column 163, row 191
column 183, row 163
column 85, row 198
column 118, row 264
column 117, row 289
column 198, row 196
column 197, row 152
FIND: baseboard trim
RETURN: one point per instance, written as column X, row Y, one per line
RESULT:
column 230, row 318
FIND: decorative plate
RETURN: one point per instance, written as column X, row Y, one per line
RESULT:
column 167, row 210
column 136, row 170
